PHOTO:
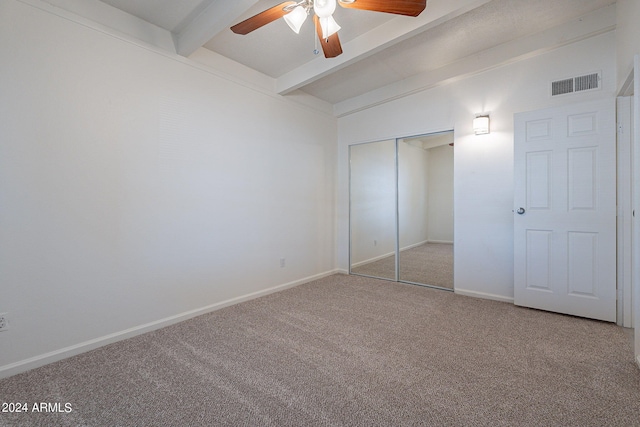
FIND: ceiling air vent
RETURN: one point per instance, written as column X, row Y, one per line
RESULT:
column 576, row 84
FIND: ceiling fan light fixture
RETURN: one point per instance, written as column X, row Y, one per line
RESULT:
column 324, row 8
column 296, row 18
column 329, row 27
column 295, row 11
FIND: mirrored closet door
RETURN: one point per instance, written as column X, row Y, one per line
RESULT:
column 425, row 209
column 373, row 209
column 402, row 190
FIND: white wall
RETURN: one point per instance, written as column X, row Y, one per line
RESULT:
column 627, row 37
column 440, row 216
column 136, row 186
column 483, row 164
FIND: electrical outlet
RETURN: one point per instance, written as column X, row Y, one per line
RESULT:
column 4, row 322
column 282, row 262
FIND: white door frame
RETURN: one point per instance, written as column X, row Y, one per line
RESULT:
column 624, row 210
column 629, row 202
column 636, row 204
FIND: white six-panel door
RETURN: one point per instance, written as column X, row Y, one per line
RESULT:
column 565, row 210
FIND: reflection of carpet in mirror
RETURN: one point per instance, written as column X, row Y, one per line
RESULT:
column 430, row 264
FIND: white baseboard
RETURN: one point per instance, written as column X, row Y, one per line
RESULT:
column 447, row 242
column 415, row 245
column 54, row 356
column 483, row 295
column 370, row 260
column 638, row 361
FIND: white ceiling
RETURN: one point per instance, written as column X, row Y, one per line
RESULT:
column 171, row 15
column 379, row 49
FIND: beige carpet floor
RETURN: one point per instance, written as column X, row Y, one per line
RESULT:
column 348, row 351
column 429, row 264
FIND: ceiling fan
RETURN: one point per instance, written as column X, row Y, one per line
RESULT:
column 296, row 12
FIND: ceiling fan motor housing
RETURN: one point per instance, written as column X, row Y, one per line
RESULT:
column 324, row 8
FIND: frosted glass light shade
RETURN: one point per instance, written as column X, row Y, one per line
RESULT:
column 296, row 18
column 329, row 27
column 481, row 125
column 324, row 8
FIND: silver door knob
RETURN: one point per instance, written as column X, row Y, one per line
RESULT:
column 520, row 211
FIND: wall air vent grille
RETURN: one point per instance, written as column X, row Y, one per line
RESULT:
column 576, row 84
column 588, row 82
column 561, row 87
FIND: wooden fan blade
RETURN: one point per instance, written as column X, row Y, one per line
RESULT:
column 331, row 46
column 262, row 18
column 399, row 7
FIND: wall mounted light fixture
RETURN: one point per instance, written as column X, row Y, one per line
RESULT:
column 481, row 125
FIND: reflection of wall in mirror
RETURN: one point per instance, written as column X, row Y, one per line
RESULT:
column 425, row 184
column 373, row 201
column 440, row 208
column 413, row 200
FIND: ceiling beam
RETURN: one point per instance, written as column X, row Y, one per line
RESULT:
column 218, row 16
column 379, row 38
column 592, row 24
